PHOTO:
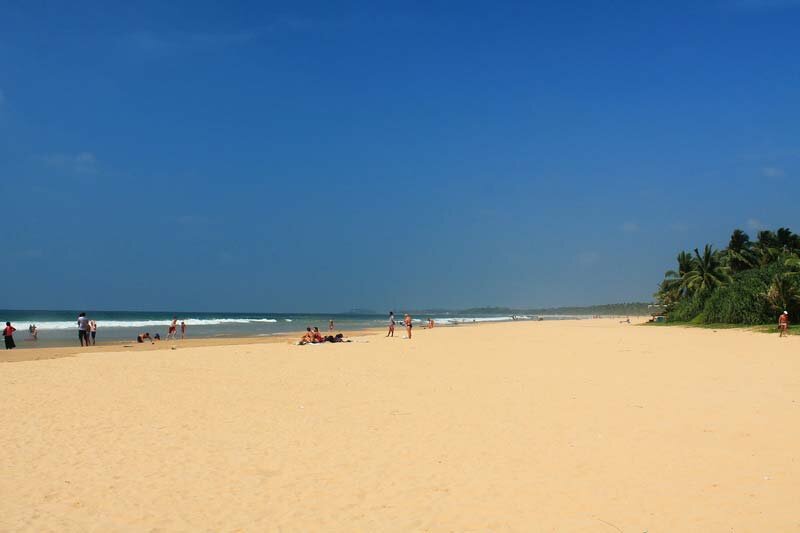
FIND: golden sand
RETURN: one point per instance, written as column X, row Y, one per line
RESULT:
column 572, row 426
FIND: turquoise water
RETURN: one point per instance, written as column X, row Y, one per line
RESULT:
column 59, row 328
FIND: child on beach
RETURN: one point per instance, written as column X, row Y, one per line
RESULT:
column 183, row 329
column 93, row 330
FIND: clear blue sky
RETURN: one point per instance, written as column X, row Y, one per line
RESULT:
column 320, row 156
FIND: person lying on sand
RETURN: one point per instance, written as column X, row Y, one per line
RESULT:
column 337, row 338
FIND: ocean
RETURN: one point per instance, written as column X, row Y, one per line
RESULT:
column 59, row 328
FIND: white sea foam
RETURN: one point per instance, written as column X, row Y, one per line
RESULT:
column 102, row 324
column 469, row 320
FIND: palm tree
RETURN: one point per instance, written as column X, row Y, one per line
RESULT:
column 767, row 248
column 739, row 254
column 786, row 240
column 673, row 288
column 708, row 272
column 784, row 293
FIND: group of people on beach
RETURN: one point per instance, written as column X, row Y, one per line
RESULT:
column 87, row 330
column 172, row 332
column 313, row 336
column 407, row 322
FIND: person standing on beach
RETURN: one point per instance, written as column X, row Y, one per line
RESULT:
column 783, row 324
column 391, row 324
column 407, row 322
column 93, row 330
column 183, row 329
column 83, row 329
column 8, row 334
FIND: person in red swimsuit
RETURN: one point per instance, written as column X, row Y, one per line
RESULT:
column 783, row 324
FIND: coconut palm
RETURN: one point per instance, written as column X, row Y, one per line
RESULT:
column 707, row 272
column 739, row 254
column 767, row 247
column 673, row 287
column 784, row 293
column 786, row 240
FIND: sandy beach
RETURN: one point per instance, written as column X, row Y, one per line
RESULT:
column 575, row 426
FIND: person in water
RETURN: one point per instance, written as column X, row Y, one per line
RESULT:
column 183, row 329
column 8, row 335
column 330, row 325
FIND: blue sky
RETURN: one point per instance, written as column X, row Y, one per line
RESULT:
column 320, row 156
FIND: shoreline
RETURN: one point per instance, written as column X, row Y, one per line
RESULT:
column 289, row 338
column 30, row 352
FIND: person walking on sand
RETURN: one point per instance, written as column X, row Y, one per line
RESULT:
column 8, row 334
column 83, row 329
column 391, row 324
column 783, row 324
column 173, row 328
column 183, row 329
column 407, row 322
column 93, row 331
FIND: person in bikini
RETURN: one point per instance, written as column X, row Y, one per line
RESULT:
column 408, row 323
column 308, row 337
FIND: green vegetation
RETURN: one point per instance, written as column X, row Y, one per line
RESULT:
column 747, row 283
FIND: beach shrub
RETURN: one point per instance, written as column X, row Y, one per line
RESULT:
column 745, row 283
column 688, row 308
column 743, row 301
